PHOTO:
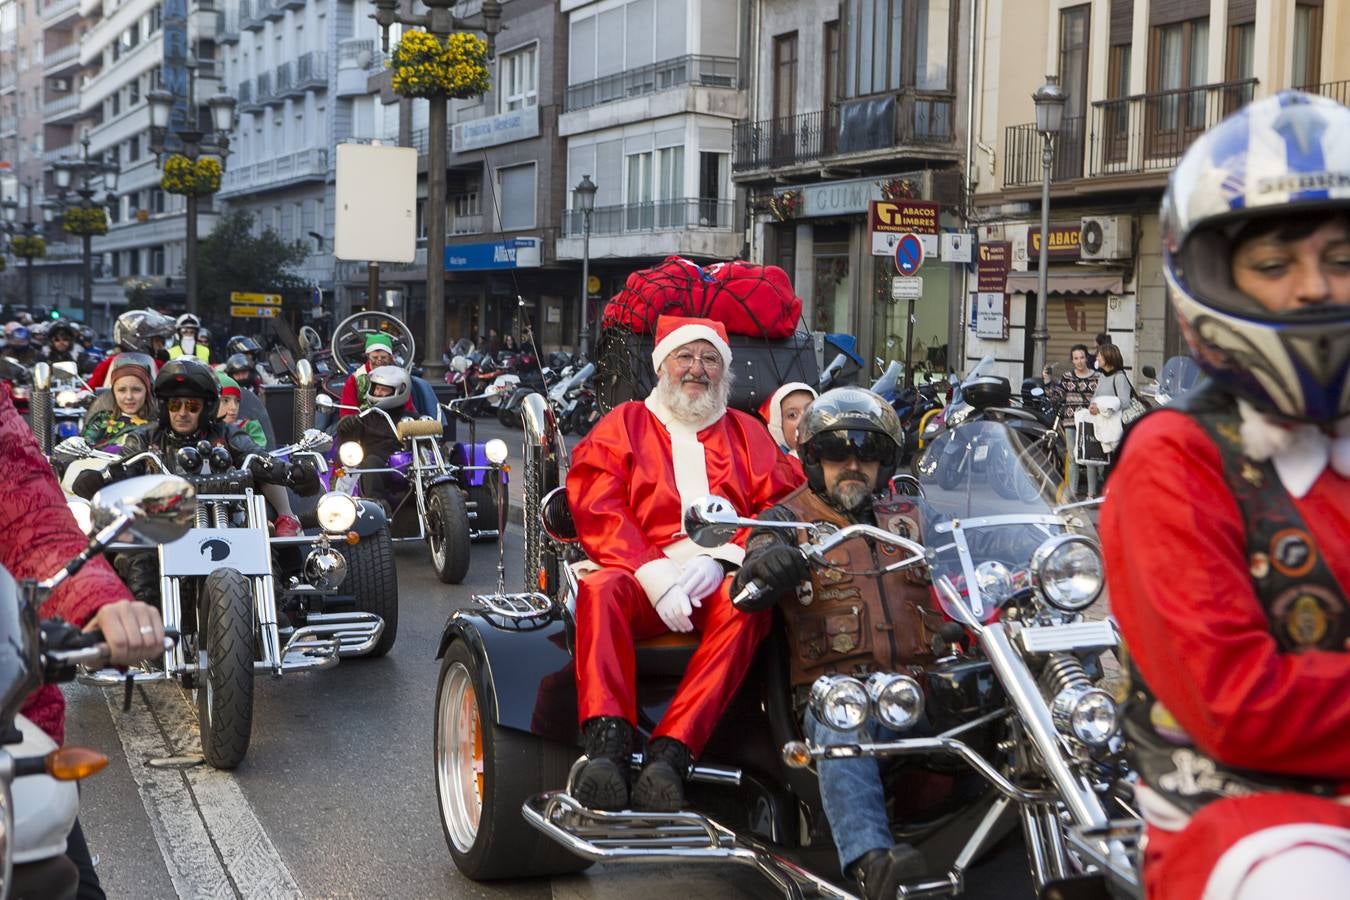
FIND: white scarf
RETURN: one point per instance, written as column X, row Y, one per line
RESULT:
column 1299, row 451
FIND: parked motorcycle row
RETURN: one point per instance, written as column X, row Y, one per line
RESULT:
column 504, row 380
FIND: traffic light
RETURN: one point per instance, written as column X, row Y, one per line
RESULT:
column 56, row 314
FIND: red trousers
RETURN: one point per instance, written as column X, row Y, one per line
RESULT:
column 613, row 611
column 1178, row 864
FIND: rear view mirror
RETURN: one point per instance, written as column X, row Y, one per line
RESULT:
column 161, row 508
column 1149, row 372
column 323, row 401
column 712, row 521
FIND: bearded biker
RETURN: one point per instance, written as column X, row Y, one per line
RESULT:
column 843, row 620
column 1235, row 618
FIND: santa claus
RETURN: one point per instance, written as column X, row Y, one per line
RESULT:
column 631, row 479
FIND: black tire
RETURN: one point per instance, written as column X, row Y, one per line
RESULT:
column 507, row 417
column 226, row 649
column 480, row 810
column 373, row 582
column 584, row 418
column 448, row 533
column 950, row 468
column 486, row 509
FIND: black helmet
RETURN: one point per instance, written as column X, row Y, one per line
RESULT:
column 855, row 415
column 61, row 328
column 134, row 329
column 242, row 343
column 187, row 376
column 238, row 363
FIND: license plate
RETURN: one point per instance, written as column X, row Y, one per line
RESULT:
column 981, row 452
column 203, row 550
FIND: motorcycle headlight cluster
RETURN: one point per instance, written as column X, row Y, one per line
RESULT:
column 351, row 454
column 495, row 451
column 1068, row 571
column 336, row 512
column 843, row 703
column 1087, row 713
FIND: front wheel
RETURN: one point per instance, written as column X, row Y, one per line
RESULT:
column 374, row 584
column 225, row 652
column 484, row 774
column 448, row 533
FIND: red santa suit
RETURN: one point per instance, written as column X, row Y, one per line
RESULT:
column 631, row 479
column 1181, row 579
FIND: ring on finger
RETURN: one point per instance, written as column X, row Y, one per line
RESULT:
column 147, row 629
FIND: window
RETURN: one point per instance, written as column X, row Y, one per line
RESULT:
column 831, row 61
column 157, row 200
column 156, row 18
column 1307, row 45
column 518, row 79
column 1178, row 61
column 515, row 188
column 134, row 148
column 157, row 260
column 890, row 44
column 671, row 161
column 134, row 92
column 785, row 75
column 1073, row 75
column 713, row 170
column 639, row 199
column 115, row 103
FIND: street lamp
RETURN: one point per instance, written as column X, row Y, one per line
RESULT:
column 195, row 143
column 583, row 198
column 83, row 171
column 439, row 22
column 1049, row 99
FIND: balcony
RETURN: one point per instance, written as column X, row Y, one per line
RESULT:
column 660, row 215
column 244, row 94
column 1336, row 90
column 290, row 168
column 705, row 71
column 853, row 127
column 227, row 27
column 61, row 106
column 1139, row 135
column 262, row 87
column 284, row 85
column 466, row 224
column 8, row 125
column 311, row 70
column 61, row 58
column 251, row 14
column 57, row 11
column 272, row 10
column 292, row 4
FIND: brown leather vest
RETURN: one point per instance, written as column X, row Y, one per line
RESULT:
column 851, row 624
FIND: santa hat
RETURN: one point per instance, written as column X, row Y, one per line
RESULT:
column 379, row 342
column 228, row 386
column 772, row 410
column 673, row 332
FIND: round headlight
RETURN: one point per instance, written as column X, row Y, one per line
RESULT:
column 495, row 450
column 995, row 582
column 336, row 512
column 897, row 699
column 840, row 702
column 1087, row 713
column 67, row 398
column 350, row 453
column 1068, row 570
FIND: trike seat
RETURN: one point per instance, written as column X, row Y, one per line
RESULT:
column 666, row 654
column 411, row 428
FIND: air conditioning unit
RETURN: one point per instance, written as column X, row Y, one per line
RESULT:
column 1106, row 237
column 61, row 84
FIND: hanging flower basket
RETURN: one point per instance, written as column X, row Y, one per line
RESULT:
column 28, row 246
column 897, row 189
column 184, row 176
column 786, row 205
column 424, row 66
column 81, row 221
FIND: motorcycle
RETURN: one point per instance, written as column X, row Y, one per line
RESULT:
column 39, row 800
column 245, row 601
column 573, row 402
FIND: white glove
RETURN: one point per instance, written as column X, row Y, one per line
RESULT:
column 701, row 576
column 674, row 608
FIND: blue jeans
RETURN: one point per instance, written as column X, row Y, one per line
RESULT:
column 851, row 791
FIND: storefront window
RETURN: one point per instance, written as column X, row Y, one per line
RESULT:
column 928, row 353
column 833, row 290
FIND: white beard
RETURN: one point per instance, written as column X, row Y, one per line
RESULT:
column 691, row 410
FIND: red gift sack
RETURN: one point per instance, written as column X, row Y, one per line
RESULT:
column 748, row 299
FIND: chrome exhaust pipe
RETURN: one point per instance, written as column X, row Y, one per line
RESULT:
column 305, row 391
column 40, row 406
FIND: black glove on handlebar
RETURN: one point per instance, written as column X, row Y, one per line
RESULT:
column 266, row 470
column 349, row 428
column 302, row 477
column 780, row 569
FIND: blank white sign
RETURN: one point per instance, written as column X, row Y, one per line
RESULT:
column 376, row 203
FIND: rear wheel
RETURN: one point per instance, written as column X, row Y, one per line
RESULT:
column 225, row 652
column 373, row 582
column 484, row 774
column 448, row 533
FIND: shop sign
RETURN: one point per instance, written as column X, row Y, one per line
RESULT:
column 907, row 287
column 838, row 198
column 1064, row 242
column 488, row 132
column 991, row 316
column 905, row 216
column 514, row 253
column 993, row 261
column 883, row 243
column 956, row 246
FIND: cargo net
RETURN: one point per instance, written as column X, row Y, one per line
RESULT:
column 756, row 304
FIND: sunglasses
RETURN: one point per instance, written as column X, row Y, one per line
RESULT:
column 185, row 404
column 839, row 446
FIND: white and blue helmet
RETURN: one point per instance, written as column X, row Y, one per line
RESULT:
column 1287, row 156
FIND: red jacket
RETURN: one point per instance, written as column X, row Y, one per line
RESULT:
column 38, row 535
column 1177, row 570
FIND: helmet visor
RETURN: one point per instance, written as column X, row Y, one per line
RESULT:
column 838, row 446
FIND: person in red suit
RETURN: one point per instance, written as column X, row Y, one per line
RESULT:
column 1226, row 526
column 631, row 479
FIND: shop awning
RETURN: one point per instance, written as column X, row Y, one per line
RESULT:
column 1066, row 283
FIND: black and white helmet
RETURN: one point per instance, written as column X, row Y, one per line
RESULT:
column 849, row 420
column 395, row 377
column 136, row 328
column 188, row 320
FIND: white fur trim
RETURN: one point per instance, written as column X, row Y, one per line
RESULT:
column 657, row 577
column 684, row 550
column 687, row 334
column 1299, row 452
column 775, row 422
column 1264, row 848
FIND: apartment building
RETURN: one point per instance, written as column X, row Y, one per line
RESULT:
column 853, row 102
column 1144, row 79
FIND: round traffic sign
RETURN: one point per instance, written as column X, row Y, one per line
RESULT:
column 908, row 254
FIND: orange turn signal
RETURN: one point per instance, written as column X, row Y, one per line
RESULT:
column 353, row 538
column 338, row 471
column 543, row 580
column 796, row 754
column 74, row 763
column 506, row 467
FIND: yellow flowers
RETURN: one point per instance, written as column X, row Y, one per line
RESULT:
column 28, row 246
column 183, row 176
column 425, row 67
column 81, row 221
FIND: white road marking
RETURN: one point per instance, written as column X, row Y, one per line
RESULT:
column 212, row 843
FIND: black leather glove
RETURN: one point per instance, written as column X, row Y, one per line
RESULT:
column 267, row 470
column 303, row 478
column 777, row 568
column 349, row 429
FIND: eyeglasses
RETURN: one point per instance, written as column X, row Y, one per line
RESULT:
column 838, row 446
column 185, row 404
column 685, row 360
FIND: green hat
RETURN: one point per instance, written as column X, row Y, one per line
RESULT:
column 379, row 342
column 226, row 382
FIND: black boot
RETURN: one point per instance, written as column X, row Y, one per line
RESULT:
column 603, row 781
column 660, row 787
column 880, row 872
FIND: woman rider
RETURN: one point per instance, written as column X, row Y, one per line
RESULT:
column 131, row 407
